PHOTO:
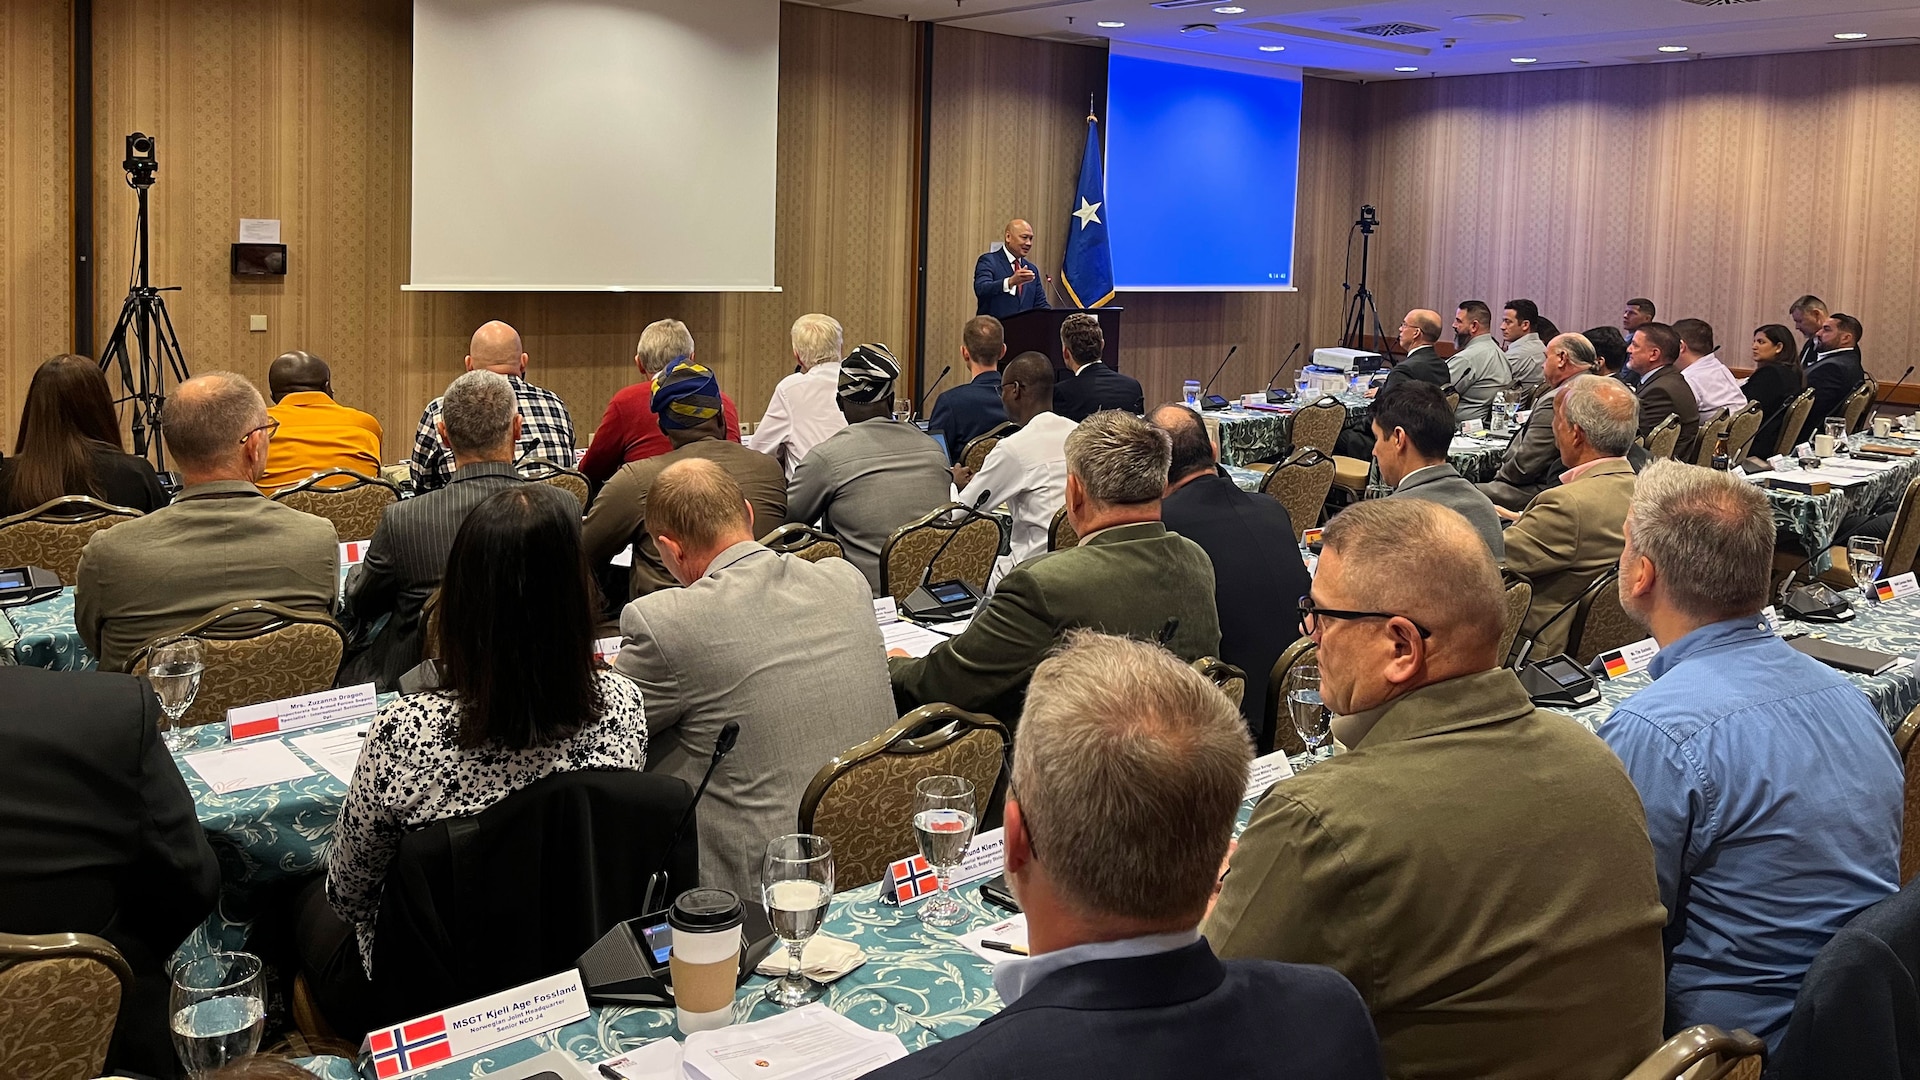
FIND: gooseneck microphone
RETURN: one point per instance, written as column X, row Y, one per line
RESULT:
column 722, row 746
column 920, row 407
column 1218, row 370
column 1283, row 365
column 1887, row 394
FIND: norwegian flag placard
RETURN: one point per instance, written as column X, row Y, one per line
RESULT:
column 908, row 880
column 476, row 1027
column 912, row 879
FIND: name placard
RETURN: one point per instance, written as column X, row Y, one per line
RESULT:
column 1311, row 536
column 1895, row 588
column 886, row 610
column 477, row 1026
column 606, row 648
column 353, row 552
column 1772, row 619
column 1266, row 772
column 1634, row 657
column 308, row 710
column 911, row 879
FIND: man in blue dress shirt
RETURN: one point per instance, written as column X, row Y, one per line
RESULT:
column 1005, row 281
column 1772, row 789
column 974, row 408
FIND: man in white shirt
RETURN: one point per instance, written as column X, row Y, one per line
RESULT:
column 802, row 413
column 1714, row 387
column 1027, row 470
column 1526, row 353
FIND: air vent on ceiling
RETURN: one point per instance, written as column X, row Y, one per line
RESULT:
column 1391, row 29
column 1175, row 5
column 1719, row 3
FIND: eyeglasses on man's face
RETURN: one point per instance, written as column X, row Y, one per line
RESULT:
column 1311, row 614
column 269, row 427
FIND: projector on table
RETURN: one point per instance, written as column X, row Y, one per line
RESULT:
column 1348, row 360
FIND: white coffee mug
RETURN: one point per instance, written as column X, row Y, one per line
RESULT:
column 1823, row 446
column 1882, row 426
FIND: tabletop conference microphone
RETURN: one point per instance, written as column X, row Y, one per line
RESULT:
column 1887, row 395
column 922, row 602
column 1283, row 365
column 722, row 746
column 1218, row 370
column 921, row 406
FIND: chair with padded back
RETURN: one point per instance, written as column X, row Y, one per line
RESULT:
column 1060, row 534
column 255, row 651
column 1600, row 624
column 969, row 557
column 1453, row 401
column 1741, row 429
column 1902, row 550
column 1711, row 432
column 1903, row 741
column 974, row 454
column 1704, row 1052
column 571, row 481
column 1858, row 406
column 352, row 501
column 1280, row 733
column 1318, row 425
column 805, row 542
column 52, row 535
column 60, row 996
column 1231, row 680
column 1516, row 596
column 1661, row 441
column 1797, row 412
column 862, row 800
column 1300, row 483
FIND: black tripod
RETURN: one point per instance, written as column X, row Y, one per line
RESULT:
column 1361, row 304
column 144, row 314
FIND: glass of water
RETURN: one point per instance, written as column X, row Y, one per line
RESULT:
column 903, row 409
column 943, row 821
column 796, row 882
column 1863, row 558
column 1310, row 716
column 218, row 1010
column 1837, row 427
column 174, row 670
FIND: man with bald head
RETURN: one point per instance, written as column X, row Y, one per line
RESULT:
column 546, row 428
column 316, row 433
column 219, row 542
column 1005, row 281
column 1478, row 868
column 1419, row 333
column 1532, row 461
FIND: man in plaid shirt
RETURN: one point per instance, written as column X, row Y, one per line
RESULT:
column 546, row 428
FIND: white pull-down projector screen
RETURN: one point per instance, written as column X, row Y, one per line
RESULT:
column 588, row 145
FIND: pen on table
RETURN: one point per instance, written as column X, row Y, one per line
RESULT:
column 610, row 1072
column 1001, row 946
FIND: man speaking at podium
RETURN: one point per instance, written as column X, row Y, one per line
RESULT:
column 1006, row 282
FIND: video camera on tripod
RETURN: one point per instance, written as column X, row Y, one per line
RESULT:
column 144, row 315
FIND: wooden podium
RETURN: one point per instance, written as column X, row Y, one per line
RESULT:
column 1039, row 331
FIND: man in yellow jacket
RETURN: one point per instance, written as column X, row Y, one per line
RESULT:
column 315, row 433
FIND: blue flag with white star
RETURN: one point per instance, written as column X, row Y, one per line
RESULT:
column 1087, row 272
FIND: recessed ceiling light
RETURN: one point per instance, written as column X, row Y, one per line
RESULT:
column 1525, row 59
column 1673, row 48
column 1111, row 24
column 1273, row 48
column 1851, row 36
column 1229, row 10
column 1406, row 69
column 1489, row 20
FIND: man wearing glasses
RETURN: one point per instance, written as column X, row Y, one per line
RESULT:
column 1027, row 470
column 219, row 542
column 1478, row 868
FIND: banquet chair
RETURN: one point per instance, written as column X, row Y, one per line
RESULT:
column 1711, row 433
column 862, row 800
column 255, row 651
column 60, row 995
column 352, row 501
column 1902, row 550
column 1516, row 596
column 1453, row 401
column 1704, row 1052
column 1231, row 680
column 1600, row 624
column 1797, row 412
column 1318, row 425
column 1300, row 483
column 1858, row 405
column 974, row 454
column 1741, row 429
column 1903, row 741
column 804, row 541
column 1060, row 534
column 1663, row 438
column 52, row 535
column 907, row 554
column 571, row 481
column 1280, row 733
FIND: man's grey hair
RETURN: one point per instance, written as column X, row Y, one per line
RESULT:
column 1577, row 348
column 1421, row 560
column 1119, row 458
column 478, row 410
column 1604, row 409
column 1710, row 536
column 817, row 339
column 663, row 342
column 1129, row 769
column 207, row 418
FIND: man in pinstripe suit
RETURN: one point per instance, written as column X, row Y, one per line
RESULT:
column 480, row 424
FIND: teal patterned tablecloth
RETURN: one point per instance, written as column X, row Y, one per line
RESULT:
column 1249, row 435
column 1477, row 457
column 1814, row 520
column 43, row 635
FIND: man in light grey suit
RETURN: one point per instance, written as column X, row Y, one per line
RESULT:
column 1479, row 370
column 1412, row 429
column 1532, row 464
column 788, row 648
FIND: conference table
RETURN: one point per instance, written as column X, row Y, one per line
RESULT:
column 1250, row 435
column 43, row 635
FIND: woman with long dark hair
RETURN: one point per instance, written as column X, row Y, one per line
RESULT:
column 1776, row 380
column 69, row 444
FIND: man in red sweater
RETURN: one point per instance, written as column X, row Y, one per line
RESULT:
column 630, row 431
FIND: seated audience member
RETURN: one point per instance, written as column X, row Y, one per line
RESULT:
column 785, row 647
column 1571, row 533
column 101, row 837
column 1638, row 313
column 686, row 403
column 802, row 414
column 1258, row 575
column 519, row 700
column 1836, row 371
column 1714, row 387
column 220, row 542
column 1610, row 349
column 1479, row 369
column 546, row 428
column 316, row 433
column 408, row 553
column 1756, row 873
column 1809, row 314
column 1127, row 776
column 629, row 431
column 1662, row 389
column 873, row 476
column 973, row 408
column 1411, row 431
column 1477, row 867
column 1525, row 352
column 1532, row 461
column 1128, row 575
column 1027, row 470
column 1093, row 385
column 1776, row 380
column 69, row 444
column 1418, row 333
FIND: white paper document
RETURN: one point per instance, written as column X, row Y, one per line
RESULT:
column 654, row 1061
column 248, row 766
column 1266, row 772
column 336, row 751
column 1008, row 931
column 623, row 557
column 259, row 230
column 910, row 638
column 809, row 1043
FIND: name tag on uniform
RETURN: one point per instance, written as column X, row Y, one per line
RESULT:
column 1634, row 657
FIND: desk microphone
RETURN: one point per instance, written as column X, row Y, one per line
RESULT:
column 1887, row 394
column 921, row 603
column 920, row 407
column 1283, row 365
column 1218, row 370
column 722, row 746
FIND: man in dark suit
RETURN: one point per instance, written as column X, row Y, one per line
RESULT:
column 408, row 553
column 1127, row 776
column 1836, row 372
column 1532, row 461
column 1809, row 313
column 1419, row 332
column 99, row 836
column 1093, row 385
column 1663, row 390
column 1258, row 574
column 1005, row 281
column 969, row 411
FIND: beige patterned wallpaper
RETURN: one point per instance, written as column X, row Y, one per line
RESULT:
column 36, row 219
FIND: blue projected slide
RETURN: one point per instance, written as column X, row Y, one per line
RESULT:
column 1203, row 163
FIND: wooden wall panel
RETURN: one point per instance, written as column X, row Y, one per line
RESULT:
column 36, row 218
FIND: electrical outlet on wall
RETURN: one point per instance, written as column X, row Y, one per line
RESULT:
column 257, row 324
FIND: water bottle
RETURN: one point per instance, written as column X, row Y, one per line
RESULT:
column 1191, row 392
column 1497, row 419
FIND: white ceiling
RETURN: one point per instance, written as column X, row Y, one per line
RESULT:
column 1320, row 36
